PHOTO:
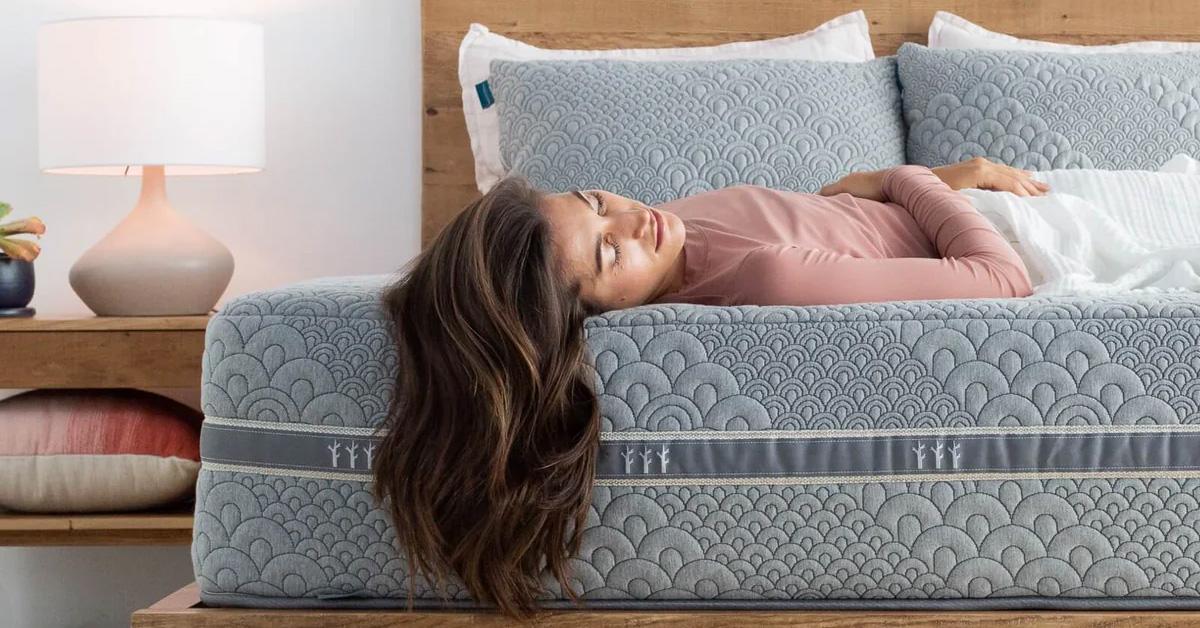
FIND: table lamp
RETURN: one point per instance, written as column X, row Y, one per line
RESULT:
column 151, row 97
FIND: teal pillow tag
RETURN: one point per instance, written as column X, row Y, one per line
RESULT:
column 485, row 94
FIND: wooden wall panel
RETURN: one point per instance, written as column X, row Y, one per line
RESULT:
column 1132, row 17
column 449, row 178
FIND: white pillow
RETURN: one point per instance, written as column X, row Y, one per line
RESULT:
column 843, row 38
column 951, row 31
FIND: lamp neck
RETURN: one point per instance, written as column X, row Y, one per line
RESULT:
column 154, row 187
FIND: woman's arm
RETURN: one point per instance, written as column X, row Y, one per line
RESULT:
column 972, row 173
column 976, row 261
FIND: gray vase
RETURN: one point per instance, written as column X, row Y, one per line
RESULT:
column 16, row 286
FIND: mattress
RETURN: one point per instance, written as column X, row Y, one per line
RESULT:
column 1008, row 453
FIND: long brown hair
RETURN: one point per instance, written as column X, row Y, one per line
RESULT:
column 493, row 428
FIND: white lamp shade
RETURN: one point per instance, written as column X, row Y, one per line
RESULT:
column 118, row 93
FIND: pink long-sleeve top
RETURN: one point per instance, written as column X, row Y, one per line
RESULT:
column 751, row 245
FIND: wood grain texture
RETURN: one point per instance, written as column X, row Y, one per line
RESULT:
column 184, row 598
column 1140, row 18
column 168, row 527
column 594, row 24
column 72, row 351
column 96, row 538
column 183, row 609
column 101, row 359
column 74, row 322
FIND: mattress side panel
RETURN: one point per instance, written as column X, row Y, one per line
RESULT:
column 310, row 529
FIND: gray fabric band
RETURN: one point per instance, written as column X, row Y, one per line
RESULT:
column 984, row 452
column 979, row 453
column 286, row 449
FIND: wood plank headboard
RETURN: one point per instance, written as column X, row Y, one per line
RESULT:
column 448, row 178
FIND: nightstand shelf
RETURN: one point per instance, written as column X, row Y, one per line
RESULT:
column 78, row 351
column 164, row 527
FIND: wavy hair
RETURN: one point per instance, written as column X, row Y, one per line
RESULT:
column 493, row 428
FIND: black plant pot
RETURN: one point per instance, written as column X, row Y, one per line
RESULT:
column 16, row 286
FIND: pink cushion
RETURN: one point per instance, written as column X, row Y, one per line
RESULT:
column 78, row 450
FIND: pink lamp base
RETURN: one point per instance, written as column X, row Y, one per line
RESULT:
column 155, row 262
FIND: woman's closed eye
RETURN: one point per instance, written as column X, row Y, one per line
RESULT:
column 598, row 202
column 616, row 253
column 601, row 209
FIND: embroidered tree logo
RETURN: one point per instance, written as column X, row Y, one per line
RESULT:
column 647, row 459
column 333, row 451
column 628, row 456
column 940, row 448
column 649, row 455
column 920, row 451
column 351, row 452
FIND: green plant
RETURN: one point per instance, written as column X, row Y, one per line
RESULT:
column 20, row 248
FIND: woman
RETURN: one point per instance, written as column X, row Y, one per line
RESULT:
column 492, row 435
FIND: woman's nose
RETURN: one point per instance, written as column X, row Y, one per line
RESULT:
column 642, row 222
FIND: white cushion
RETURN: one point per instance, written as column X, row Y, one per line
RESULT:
column 843, row 38
column 951, row 31
column 94, row 482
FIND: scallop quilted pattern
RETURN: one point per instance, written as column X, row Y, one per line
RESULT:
column 318, row 352
column 657, row 131
column 1044, row 110
column 277, row 537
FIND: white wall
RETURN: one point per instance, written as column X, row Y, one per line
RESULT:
column 340, row 195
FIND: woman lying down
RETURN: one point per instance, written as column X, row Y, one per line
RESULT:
column 493, row 434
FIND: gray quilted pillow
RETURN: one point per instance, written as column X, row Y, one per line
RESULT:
column 656, row 131
column 1044, row 110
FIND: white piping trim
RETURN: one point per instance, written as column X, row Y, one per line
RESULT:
column 764, row 480
column 708, row 434
column 879, row 479
column 297, row 473
column 903, row 431
column 292, row 427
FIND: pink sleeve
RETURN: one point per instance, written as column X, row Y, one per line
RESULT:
column 976, row 261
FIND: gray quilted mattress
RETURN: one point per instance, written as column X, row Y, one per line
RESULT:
column 1016, row 453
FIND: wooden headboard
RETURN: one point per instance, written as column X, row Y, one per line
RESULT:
column 448, row 178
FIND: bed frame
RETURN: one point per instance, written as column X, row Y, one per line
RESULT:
column 448, row 184
column 183, row 608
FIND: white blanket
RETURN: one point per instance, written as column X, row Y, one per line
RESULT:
column 1102, row 232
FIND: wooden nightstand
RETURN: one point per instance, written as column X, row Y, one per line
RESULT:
column 49, row 351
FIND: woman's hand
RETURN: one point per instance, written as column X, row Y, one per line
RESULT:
column 986, row 175
column 858, row 184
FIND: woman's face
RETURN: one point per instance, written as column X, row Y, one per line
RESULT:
column 621, row 252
